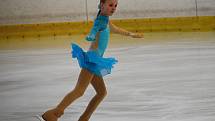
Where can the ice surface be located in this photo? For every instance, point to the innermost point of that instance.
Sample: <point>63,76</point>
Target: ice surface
<point>174,81</point>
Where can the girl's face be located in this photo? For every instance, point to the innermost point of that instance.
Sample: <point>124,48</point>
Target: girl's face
<point>109,7</point>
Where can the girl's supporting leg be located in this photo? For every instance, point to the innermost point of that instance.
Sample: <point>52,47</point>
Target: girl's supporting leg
<point>99,86</point>
<point>83,81</point>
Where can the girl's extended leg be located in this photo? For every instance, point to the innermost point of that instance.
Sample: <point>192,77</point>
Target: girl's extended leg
<point>83,81</point>
<point>99,86</point>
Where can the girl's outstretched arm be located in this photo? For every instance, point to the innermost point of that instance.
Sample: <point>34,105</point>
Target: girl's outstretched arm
<point>121,31</point>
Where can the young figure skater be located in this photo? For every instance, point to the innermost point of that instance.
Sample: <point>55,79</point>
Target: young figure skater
<point>93,65</point>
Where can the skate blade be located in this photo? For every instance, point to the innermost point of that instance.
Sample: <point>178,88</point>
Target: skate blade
<point>39,117</point>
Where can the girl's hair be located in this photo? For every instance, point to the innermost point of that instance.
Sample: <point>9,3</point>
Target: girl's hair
<point>102,1</point>
<point>99,6</point>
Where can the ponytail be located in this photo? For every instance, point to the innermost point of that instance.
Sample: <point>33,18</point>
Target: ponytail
<point>99,7</point>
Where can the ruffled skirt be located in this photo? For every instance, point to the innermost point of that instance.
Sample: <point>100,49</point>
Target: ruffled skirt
<point>92,61</point>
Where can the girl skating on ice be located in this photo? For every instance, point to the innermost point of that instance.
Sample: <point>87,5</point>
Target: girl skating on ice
<point>94,65</point>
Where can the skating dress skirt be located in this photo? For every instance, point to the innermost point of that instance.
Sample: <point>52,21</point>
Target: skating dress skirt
<point>93,60</point>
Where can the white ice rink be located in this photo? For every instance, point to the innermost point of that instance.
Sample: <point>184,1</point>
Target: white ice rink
<point>170,81</point>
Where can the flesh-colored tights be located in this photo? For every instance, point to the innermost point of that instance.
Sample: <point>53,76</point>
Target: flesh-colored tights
<point>85,78</point>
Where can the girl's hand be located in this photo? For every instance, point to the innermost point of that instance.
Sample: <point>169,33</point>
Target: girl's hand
<point>136,35</point>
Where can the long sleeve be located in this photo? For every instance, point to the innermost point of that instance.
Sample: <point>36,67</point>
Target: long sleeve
<point>118,30</point>
<point>100,24</point>
<point>121,31</point>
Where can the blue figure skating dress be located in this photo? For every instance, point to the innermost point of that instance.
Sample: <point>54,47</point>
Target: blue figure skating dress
<point>93,60</point>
